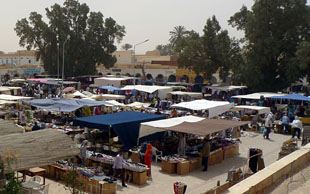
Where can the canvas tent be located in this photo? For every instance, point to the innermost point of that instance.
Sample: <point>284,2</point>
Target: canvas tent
<point>63,104</point>
<point>190,125</point>
<point>111,97</point>
<point>75,95</point>
<point>110,88</point>
<point>260,109</point>
<point>215,108</point>
<point>152,127</point>
<point>138,105</point>
<point>125,124</point>
<point>190,94</point>
<point>225,88</point>
<point>38,148</point>
<point>162,90</point>
<point>292,97</point>
<point>256,96</point>
<point>115,103</point>
<point>7,127</point>
<point>10,97</point>
<point>113,81</point>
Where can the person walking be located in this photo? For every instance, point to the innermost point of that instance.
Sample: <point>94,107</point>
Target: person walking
<point>296,127</point>
<point>268,125</point>
<point>285,124</point>
<point>205,153</point>
<point>83,152</point>
<point>118,167</point>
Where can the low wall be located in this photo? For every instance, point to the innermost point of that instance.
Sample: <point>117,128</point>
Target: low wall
<point>274,173</point>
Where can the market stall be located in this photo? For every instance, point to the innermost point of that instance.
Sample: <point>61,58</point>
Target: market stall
<point>214,108</point>
<point>112,81</point>
<point>259,109</point>
<point>194,95</point>
<point>125,125</point>
<point>161,90</point>
<point>195,128</point>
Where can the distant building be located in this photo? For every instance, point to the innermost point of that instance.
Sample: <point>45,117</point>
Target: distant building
<point>20,58</point>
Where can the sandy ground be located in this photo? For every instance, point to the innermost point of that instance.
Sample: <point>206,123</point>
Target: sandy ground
<point>199,181</point>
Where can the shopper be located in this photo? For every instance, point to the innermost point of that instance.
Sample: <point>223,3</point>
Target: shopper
<point>296,127</point>
<point>83,152</point>
<point>118,167</point>
<point>36,127</point>
<point>205,153</point>
<point>268,125</point>
<point>148,158</point>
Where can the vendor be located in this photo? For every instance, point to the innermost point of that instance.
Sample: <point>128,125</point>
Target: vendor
<point>148,159</point>
<point>205,153</point>
<point>83,152</point>
<point>118,167</point>
<point>142,152</point>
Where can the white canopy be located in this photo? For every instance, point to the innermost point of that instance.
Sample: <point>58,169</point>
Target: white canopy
<point>115,103</point>
<point>214,107</point>
<point>162,90</point>
<point>191,94</point>
<point>75,94</point>
<point>256,96</point>
<point>152,127</point>
<point>138,105</point>
<point>10,97</point>
<point>112,81</point>
<point>260,109</point>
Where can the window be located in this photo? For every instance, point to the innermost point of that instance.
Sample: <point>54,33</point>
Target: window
<point>29,61</point>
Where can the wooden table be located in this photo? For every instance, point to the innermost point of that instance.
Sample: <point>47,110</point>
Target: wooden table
<point>34,172</point>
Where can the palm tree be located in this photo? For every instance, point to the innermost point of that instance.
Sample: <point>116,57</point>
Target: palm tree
<point>177,34</point>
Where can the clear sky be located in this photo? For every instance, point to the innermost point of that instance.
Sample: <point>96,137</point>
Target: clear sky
<point>143,19</point>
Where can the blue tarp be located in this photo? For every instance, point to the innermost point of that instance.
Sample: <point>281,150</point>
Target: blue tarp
<point>63,104</point>
<point>292,97</point>
<point>110,88</point>
<point>125,124</point>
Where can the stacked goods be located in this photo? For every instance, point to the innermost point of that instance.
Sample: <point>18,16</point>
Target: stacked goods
<point>288,147</point>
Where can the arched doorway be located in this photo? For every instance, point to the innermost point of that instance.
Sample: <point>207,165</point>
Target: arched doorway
<point>172,78</point>
<point>198,79</point>
<point>185,79</point>
<point>128,74</point>
<point>108,73</point>
<point>160,78</point>
<point>149,76</point>
<point>138,75</point>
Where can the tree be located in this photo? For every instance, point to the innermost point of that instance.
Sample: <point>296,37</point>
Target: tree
<point>91,40</point>
<point>165,50</point>
<point>1,52</point>
<point>273,30</point>
<point>178,33</point>
<point>212,51</point>
<point>126,47</point>
<point>303,58</point>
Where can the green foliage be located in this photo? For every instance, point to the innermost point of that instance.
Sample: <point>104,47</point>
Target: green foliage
<point>212,51</point>
<point>273,31</point>
<point>165,50</point>
<point>91,40</point>
<point>303,58</point>
<point>73,184</point>
<point>178,33</point>
<point>126,47</point>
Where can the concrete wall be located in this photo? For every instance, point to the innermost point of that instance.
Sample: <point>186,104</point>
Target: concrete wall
<point>274,173</point>
<point>19,58</point>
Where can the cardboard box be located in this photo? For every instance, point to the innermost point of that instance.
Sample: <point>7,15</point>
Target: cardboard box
<point>107,188</point>
<point>216,157</point>
<point>183,167</point>
<point>135,157</point>
<point>139,178</point>
<point>195,164</point>
<point>168,167</point>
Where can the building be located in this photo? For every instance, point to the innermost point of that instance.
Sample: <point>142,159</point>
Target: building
<point>20,58</point>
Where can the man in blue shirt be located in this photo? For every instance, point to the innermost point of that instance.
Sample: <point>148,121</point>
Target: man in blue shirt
<point>285,124</point>
<point>36,127</point>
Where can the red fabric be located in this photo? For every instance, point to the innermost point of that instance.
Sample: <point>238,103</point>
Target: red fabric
<point>148,157</point>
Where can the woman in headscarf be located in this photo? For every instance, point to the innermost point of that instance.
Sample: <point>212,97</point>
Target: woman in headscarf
<point>83,152</point>
<point>148,158</point>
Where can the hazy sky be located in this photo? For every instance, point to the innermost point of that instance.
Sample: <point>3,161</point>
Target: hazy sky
<point>143,19</point>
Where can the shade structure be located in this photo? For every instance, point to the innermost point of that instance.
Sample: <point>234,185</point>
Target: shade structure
<point>125,124</point>
<point>110,97</point>
<point>138,105</point>
<point>256,96</point>
<point>76,94</point>
<point>149,128</point>
<point>7,127</point>
<point>10,97</point>
<point>260,109</point>
<point>162,90</point>
<point>215,108</point>
<point>63,104</point>
<point>191,94</point>
<point>206,126</point>
<point>69,89</point>
<point>292,97</point>
<point>115,103</point>
<point>114,81</point>
<point>225,88</point>
<point>34,149</point>
<point>110,88</point>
